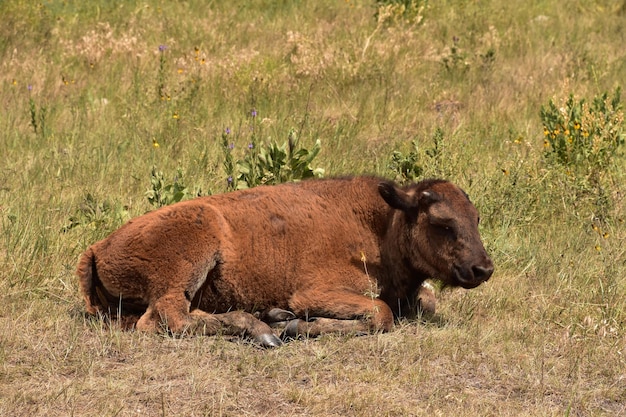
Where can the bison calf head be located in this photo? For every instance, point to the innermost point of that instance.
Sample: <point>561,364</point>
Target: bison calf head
<point>437,231</point>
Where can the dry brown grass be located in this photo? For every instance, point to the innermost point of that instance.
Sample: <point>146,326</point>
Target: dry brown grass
<point>468,360</point>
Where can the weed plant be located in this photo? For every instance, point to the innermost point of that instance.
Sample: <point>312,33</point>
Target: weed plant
<point>268,163</point>
<point>585,138</point>
<point>161,193</point>
<point>112,109</point>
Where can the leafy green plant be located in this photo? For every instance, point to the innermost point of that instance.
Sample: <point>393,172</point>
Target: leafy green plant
<point>406,167</point>
<point>269,163</point>
<point>162,193</point>
<point>409,10</point>
<point>33,114</point>
<point>584,137</point>
<point>97,215</point>
<point>488,59</point>
<point>411,166</point>
<point>38,117</point>
<point>455,61</point>
<point>435,153</point>
<point>107,214</point>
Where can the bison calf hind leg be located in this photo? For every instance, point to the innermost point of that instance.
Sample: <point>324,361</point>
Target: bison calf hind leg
<point>173,313</point>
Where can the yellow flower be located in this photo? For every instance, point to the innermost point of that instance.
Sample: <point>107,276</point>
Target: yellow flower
<point>576,125</point>
<point>505,171</point>
<point>598,248</point>
<point>546,144</point>
<point>175,115</point>
<point>546,132</point>
<point>180,70</point>
<point>155,144</point>
<point>585,133</point>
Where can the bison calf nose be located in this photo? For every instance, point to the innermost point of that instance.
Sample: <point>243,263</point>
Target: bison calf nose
<point>481,273</point>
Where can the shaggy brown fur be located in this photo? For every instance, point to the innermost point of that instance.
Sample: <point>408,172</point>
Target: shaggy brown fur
<point>335,255</point>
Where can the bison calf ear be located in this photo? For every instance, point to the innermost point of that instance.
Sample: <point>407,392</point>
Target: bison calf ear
<point>395,197</point>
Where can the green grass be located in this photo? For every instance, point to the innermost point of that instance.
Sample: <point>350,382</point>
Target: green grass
<point>545,336</point>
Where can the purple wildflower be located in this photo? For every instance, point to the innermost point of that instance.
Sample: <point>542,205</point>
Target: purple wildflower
<point>254,113</point>
<point>162,48</point>
<point>227,131</point>
<point>231,145</point>
<point>229,179</point>
<point>250,145</point>
<point>30,87</point>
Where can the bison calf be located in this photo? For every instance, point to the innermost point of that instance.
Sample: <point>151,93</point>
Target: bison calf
<point>333,255</point>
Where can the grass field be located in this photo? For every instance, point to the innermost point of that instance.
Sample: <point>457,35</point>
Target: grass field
<point>95,95</point>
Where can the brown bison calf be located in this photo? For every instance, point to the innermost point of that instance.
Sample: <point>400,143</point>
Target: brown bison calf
<point>335,255</point>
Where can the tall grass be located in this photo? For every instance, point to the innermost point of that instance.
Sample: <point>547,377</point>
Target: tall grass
<point>94,96</point>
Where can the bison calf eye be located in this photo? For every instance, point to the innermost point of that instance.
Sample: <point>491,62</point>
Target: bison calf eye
<point>445,229</point>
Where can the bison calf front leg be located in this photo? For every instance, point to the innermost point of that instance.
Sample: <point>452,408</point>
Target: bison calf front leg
<point>320,325</point>
<point>235,323</point>
<point>336,311</point>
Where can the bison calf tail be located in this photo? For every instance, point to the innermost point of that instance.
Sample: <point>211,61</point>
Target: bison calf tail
<point>88,282</point>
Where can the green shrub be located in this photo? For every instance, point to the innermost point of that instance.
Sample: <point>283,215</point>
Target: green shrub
<point>162,193</point>
<point>412,166</point>
<point>406,168</point>
<point>269,163</point>
<point>409,10</point>
<point>97,215</point>
<point>584,138</point>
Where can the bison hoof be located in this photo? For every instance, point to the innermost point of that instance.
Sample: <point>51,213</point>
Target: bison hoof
<point>290,332</point>
<point>268,340</point>
<point>428,307</point>
<point>277,315</point>
<point>427,300</point>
